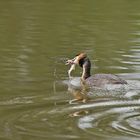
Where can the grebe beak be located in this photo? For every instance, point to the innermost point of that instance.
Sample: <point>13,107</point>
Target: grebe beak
<point>70,61</point>
<point>76,59</point>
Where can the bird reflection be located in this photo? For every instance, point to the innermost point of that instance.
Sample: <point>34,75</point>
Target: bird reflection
<point>79,94</point>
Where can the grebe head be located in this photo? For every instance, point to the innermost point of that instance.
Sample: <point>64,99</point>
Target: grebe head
<point>83,61</point>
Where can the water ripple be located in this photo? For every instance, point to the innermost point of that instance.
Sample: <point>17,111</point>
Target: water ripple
<point>122,119</point>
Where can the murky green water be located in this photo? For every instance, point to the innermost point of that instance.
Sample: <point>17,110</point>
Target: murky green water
<point>36,36</point>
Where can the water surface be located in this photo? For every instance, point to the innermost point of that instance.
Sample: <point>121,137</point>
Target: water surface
<point>36,37</point>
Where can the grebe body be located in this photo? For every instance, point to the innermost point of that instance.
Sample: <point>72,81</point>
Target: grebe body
<point>100,80</point>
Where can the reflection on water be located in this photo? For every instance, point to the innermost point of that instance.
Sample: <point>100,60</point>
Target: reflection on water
<point>113,111</point>
<point>36,37</point>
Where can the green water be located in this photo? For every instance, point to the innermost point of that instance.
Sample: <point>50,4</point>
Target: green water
<point>36,37</point>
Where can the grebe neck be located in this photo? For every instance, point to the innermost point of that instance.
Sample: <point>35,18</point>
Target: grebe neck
<point>86,69</point>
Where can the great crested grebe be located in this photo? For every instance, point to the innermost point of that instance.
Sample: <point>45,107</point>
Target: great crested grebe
<point>97,80</point>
